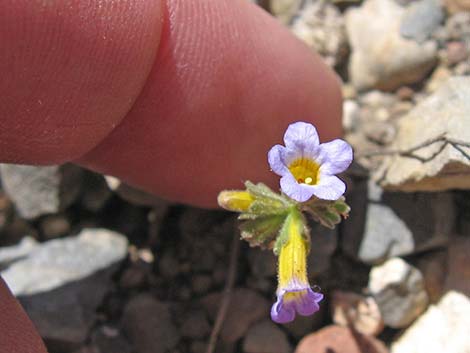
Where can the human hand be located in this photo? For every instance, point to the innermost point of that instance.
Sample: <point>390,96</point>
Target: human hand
<point>181,98</point>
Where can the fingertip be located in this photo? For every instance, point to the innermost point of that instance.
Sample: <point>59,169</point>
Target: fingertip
<point>226,82</point>
<point>70,71</point>
<point>17,333</point>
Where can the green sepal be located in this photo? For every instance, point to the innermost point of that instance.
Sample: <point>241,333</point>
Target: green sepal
<point>262,230</point>
<point>266,201</point>
<point>342,207</point>
<point>283,236</point>
<point>293,216</point>
<point>327,213</point>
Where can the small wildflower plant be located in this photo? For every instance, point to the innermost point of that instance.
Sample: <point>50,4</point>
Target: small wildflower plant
<point>275,221</point>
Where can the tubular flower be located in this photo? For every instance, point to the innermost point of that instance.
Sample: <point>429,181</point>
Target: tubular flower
<point>307,168</point>
<point>294,294</point>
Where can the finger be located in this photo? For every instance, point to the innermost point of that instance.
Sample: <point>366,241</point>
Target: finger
<point>226,82</point>
<point>70,71</point>
<point>17,333</point>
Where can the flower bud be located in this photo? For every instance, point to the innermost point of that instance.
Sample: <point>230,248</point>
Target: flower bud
<point>235,200</point>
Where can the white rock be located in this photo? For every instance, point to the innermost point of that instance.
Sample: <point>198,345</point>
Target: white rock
<point>445,113</point>
<point>33,190</point>
<point>389,224</point>
<point>360,311</point>
<point>57,262</point>
<point>285,9</point>
<point>321,26</point>
<point>442,328</point>
<point>381,57</point>
<point>351,115</point>
<point>14,252</point>
<point>36,191</point>
<point>398,289</point>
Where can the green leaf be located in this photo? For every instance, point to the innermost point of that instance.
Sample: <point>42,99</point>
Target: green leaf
<point>327,213</point>
<point>263,230</point>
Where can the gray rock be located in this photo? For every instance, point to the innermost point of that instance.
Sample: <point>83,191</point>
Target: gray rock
<point>198,347</point>
<point>195,325</point>
<point>384,225</point>
<point>398,289</point>
<point>36,191</point>
<point>263,263</point>
<point>381,57</point>
<point>246,307</point>
<point>444,114</point>
<point>149,325</point>
<point>65,315</point>
<point>421,19</point>
<point>108,339</point>
<point>321,26</point>
<point>324,242</point>
<point>168,265</point>
<point>442,328</point>
<point>57,262</point>
<point>266,337</point>
<point>201,284</point>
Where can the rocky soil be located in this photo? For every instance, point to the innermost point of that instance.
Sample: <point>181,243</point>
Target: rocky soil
<point>103,268</point>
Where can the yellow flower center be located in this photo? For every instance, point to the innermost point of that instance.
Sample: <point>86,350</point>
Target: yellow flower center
<point>294,296</point>
<point>305,171</point>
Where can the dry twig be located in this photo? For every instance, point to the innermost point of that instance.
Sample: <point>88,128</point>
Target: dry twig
<point>411,152</point>
<point>227,294</point>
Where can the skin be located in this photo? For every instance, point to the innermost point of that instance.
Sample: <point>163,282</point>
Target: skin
<point>180,98</point>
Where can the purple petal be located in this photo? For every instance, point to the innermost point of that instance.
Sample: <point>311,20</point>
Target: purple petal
<point>284,311</point>
<point>308,303</point>
<point>301,135</point>
<point>296,191</point>
<point>276,156</point>
<point>330,187</point>
<point>335,156</point>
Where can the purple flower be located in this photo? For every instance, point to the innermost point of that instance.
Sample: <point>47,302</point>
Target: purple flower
<point>294,294</point>
<point>295,299</point>
<point>307,167</point>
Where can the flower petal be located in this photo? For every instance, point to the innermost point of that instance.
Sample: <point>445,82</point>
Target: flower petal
<point>335,156</point>
<point>308,303</point>
<point>304,304</point>
<point>330,187</point>
<point>276,156</point>
<point>296,191</point>
<point>282,313</point>
<point>301,134</point>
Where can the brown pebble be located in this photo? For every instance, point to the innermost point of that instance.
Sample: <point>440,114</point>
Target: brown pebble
<point>340,340</point>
